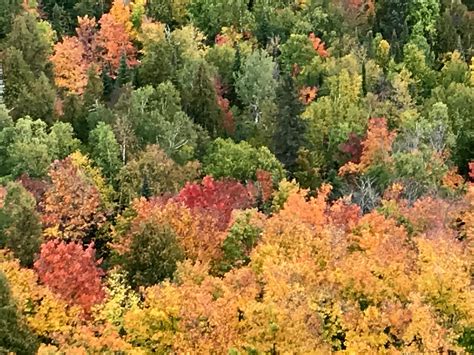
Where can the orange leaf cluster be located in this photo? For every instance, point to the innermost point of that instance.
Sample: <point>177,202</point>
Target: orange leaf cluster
<point>318,45</point>
<point>376,147</point>
<point>115,42</point>
<point>72,206</point>
<point>308,94</point>
<point>196,232</point>
<point>70,66</point>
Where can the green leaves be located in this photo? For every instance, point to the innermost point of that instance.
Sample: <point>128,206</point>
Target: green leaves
<point>240,161</point>
<point>30,149</point>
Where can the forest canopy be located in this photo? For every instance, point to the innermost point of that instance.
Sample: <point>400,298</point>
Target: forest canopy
<point>240,177</point>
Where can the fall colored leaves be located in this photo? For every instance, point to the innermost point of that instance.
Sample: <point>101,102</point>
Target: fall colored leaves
<point>94,48</point>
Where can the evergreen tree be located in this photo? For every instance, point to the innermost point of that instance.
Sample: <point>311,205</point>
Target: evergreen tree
<point>200,97</point>
<point>94,89</point>
<point>290,128</point>
<point>8,10</point>
<point>34,41</point>
<point>124,72</point>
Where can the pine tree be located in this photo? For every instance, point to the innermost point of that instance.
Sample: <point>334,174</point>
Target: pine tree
<point>290,128</point>
<point>124,73</point>
<point>200,97</point>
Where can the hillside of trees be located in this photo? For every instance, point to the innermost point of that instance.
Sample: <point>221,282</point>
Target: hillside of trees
<point>236,177</point>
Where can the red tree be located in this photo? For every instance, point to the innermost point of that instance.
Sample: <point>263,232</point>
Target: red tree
<point>217,198</point>
<point>72,272</point>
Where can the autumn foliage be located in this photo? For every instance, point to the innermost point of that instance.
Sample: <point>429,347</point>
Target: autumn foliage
<point>72,272</point>
<point>72,206</point>
<point>70,66</point>
<point>236,177</point>
<point>217,198</point>
<point>376,147</point>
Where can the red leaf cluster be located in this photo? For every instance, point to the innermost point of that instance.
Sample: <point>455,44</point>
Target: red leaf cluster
<point>217,198</point>
<point>352,147</point>
<point>72,272</point>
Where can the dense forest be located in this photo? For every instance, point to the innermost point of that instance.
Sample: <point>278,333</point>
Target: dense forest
<point>236,176</point>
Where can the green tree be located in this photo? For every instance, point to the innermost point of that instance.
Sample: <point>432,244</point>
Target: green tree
<point>94,90</point>
<point>30,149</point>
<point>211,15</point>
<point>156,117</point>
<point>296,52</point>
<point>158,63</point>
<point>15,337</point>
<point>27,148</point>
<point>154,172</point>
<point>20,225</point>
<point>124,74</point>
<point>459,99</point>
<point>199,97</point>
<point>255,83</point>
<point>290,128</point>
<point>454,29</point>
<point>242,237</point>
<point>391,21</point>
<point>8,10</point>
<point>104,150</point>
<point>62,140</point>
<point>172,12</point>
<point>154,252</point>
<point>240,161</point>
<point>33,39</point>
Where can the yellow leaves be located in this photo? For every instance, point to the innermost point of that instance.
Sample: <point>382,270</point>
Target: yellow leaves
<point>151,32</point>
<point>444,279</point>
<point>424,334</point>
<point>471,67</point>
<point>106,191</point>
<point>44,312</point>
<point>121,13</point>
<point>191,41</point>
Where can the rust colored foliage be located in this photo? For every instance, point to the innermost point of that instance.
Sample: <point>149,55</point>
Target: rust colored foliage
<point>308,94</point>
<point>86,33</point>
<point>72,206</point>
<point>72,272</point>
<point>318,45</point>
<point>228,122</point>
<point>265,184</point>
<point>70,66</point>
<point>195,231</point>
<point>376,147</point>
<point>217,198</point>
<point>353,148</point>
<point>115,41</point>
<point>221,40</point>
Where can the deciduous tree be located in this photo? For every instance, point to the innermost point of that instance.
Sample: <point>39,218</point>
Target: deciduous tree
<point>72,272</point>
<point>72,207</point>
